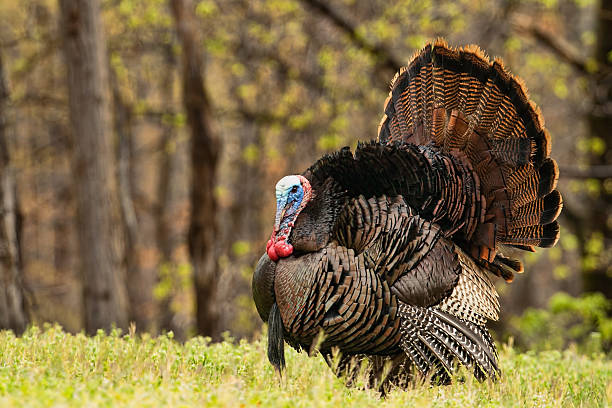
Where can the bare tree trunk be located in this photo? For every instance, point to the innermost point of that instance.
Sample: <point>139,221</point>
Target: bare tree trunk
<point>139,266</point>
<point>95,184</point>
<point>165,230</point>
<point>13,313</point>
<point>205,147</point>
<point>597,275</point>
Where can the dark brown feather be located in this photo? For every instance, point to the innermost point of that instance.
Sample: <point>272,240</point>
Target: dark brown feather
<point>394,254</point>
<point>458,100</point>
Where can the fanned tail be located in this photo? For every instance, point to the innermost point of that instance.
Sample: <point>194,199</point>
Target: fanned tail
<point>459,101</point>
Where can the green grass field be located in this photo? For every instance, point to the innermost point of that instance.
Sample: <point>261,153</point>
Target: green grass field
<point>51,368</point>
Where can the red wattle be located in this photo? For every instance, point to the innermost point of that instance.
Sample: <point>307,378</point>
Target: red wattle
<point>272,253</point>
<point>278,249</point>
<point>283,249</point>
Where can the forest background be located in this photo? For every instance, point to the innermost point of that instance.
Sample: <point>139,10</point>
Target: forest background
<point>140,142</point>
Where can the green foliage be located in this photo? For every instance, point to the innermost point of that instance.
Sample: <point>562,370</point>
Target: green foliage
<point>175,283</point>
<point>52,368</point>
<point>206,8</point>
<point>241,248</point>
<point>595,254</point>
<point>582,321</point>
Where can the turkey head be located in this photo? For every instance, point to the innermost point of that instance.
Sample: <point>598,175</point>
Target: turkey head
<point>305,215</point>
<point>292,194</point>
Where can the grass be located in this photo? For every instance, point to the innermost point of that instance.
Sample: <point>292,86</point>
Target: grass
<point>52,368</point>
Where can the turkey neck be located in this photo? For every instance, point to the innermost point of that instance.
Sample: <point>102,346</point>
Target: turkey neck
<point>314,226</point>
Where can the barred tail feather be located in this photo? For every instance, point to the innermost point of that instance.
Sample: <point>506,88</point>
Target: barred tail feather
<point>461,102</point>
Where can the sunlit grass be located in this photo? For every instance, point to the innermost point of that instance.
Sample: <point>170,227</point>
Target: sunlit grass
<point>51,368</point>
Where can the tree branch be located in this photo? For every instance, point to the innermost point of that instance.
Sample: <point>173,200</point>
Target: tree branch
<point>590,172</point>
<point>385,56</point>
<point>559,46</point>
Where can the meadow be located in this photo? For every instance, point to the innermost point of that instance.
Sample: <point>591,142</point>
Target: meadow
<point>49,367</point>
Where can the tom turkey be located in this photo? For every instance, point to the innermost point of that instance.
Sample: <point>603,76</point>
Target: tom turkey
<point>390,250</point>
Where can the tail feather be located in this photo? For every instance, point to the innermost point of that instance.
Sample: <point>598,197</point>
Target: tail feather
<point>535,183</point>
<point>514,151</point>
<point>548,175</point>
<point>459,101</point>
<point>506,267</point>
<point>544,236</point>
<point>541,211</point>
<point>514,264</point>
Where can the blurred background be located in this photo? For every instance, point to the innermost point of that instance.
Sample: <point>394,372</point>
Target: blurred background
<point>140,142</point>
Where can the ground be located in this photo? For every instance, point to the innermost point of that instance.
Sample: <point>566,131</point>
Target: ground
<point>48,367</point>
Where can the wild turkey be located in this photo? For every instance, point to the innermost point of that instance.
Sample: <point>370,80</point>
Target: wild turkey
<point>390,250</point>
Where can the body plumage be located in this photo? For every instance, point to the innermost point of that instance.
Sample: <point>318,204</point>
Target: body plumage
<point>390,250</point>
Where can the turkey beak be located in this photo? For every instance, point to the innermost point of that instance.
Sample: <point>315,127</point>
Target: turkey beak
<point>280,215</point>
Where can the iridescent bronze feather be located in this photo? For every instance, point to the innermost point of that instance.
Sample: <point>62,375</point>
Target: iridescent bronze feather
<point>392,257</point>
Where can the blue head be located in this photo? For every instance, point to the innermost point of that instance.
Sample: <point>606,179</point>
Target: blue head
<point>289,196</point>
<point>292,195</point>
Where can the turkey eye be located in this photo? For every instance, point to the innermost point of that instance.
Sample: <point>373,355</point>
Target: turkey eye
<point>294,189</point>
